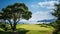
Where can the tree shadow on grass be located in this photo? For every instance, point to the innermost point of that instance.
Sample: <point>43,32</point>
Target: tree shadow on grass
<point>3,32</point>
<point>22,31</point>
<point>19,31</point>
<point>57,31</point>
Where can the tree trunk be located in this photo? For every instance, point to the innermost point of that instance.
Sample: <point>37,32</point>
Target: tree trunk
<point>14,24</point>
<point>14,27</point>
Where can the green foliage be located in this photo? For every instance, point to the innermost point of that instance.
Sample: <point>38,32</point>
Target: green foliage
<point>57,11</point>
<point>15,12</point>
<point>57,14</point>
<point>53,24</point>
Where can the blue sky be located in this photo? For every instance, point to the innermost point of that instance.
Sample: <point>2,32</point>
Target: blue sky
<point>40,9</point>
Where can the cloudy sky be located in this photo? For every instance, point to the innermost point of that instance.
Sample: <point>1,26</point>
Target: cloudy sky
<point>40,9</point>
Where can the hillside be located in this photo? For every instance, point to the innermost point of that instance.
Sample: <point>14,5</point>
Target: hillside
<point>49,20</point>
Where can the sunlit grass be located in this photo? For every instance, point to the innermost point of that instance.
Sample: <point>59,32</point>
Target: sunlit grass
<point>1,29</point>
<point>34,27</point>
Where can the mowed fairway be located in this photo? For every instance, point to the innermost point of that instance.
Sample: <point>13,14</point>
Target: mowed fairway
<point>36,29</point>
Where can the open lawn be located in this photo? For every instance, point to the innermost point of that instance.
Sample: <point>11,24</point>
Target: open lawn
<point>32,29</point>
<point>36,29</point>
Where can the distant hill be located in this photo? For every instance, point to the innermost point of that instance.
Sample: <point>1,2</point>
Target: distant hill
<point>50,20</point>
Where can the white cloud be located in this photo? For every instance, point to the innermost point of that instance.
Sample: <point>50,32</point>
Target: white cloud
<point>40,15</point>
<point>35,6</point>
<point>48,4</point>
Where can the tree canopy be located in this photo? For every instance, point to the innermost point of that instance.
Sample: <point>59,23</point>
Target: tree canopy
<point>16,12</point>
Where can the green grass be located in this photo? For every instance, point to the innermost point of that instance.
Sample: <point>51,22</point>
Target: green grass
<point>37,32</point>
<point>36,29</point>
<point>31,29</point>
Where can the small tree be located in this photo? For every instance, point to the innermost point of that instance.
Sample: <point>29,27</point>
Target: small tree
<point>57,14</point>
<point>16,12</point>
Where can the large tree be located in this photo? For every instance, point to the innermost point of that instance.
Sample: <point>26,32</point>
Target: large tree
<point>57,14</point>
<point>16,12</point>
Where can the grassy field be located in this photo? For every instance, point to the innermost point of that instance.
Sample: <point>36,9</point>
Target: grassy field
<point>32,29</point>
<point>36,29</point>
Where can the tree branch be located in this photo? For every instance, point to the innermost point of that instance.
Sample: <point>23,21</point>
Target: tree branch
<point>17,21</point>
<point>10,22</point>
